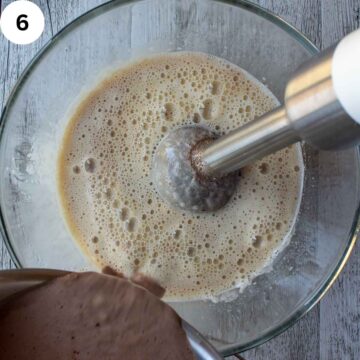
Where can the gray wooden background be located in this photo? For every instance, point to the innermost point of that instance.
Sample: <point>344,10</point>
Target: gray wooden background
<point>331,330</point>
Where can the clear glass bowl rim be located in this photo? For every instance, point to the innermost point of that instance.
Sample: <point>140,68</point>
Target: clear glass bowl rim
<point>296,35</point>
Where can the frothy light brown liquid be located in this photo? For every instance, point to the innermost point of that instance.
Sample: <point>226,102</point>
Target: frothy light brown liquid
<point>110,203</point>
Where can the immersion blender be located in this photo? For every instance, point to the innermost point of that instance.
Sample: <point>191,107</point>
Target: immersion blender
<point>321,107</point>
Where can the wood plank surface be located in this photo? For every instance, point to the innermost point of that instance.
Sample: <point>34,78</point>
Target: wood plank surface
<point>331,330</point>
<point>340,309</point>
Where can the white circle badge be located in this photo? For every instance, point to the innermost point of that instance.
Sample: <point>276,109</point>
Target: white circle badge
<point>22,22</point>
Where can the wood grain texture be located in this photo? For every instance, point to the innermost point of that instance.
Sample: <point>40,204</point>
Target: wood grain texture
<point>302,340</point>
<point>338,19</point>
<point>13,60</point>
<point>331,330</point>
<point>340,309</point>
<point>305,15</point>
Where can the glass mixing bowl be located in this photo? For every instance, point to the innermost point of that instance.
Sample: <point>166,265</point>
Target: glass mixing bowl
<point>114,33</point>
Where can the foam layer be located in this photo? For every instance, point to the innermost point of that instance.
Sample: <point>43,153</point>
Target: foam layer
<point>111,205</point>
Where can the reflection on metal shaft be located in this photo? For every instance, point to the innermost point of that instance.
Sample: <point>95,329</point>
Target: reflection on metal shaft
<point>249,143</point>
<point>311,113</point>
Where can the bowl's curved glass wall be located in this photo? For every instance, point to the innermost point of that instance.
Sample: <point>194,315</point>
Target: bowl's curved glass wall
<point>115,33</point>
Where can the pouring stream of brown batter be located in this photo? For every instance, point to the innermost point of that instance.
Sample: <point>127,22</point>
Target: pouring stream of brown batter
<point>92,316</point>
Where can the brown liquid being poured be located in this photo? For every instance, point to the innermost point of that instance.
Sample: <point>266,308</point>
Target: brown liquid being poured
<point>111,205</point>
<point>91,316</point>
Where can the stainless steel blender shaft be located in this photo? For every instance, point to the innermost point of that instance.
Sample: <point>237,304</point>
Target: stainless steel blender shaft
<point>249,143</point>
<point>311,112</point>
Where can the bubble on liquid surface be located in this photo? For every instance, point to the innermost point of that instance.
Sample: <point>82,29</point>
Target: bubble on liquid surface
<point>90,165</point>
<point>112,207</point>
